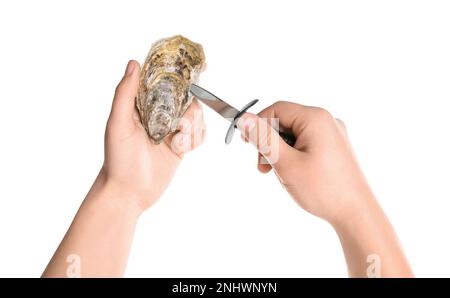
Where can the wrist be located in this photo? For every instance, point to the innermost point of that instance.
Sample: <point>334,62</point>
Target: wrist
<point>363,218</point>
<point>368,239</point>
<point>360,210</point>
<point>109,196</point>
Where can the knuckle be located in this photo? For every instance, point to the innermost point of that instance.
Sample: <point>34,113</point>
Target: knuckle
<point>322,114</point>
<point>341,123</point>
<point>279,103</point>
<point>119,89</point>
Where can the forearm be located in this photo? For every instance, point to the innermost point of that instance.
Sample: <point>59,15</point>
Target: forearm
<point>370,245</point>
<point>99,237</point>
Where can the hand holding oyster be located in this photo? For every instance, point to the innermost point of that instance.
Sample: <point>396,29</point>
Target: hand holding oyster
<point>170,68</point>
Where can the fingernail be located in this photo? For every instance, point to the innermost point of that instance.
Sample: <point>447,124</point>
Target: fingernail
<point>130,68</point>
<point>246,123</point>
<point>262,160</point>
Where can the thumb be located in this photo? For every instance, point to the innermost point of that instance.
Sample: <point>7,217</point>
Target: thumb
<point>123,105</point>
<point>260,132</point>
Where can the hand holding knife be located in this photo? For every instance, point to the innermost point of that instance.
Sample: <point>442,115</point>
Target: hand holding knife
<point>229,112</point>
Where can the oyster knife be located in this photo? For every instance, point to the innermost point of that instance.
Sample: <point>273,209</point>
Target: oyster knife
<point>229,112</point>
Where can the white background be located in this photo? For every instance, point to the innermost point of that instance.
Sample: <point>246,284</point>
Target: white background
<point>381,66</point>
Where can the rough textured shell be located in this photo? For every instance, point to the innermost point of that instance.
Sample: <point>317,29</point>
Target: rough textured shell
<point>171,66</point>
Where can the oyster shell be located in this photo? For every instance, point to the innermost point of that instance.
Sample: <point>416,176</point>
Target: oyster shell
<point>170,68</point>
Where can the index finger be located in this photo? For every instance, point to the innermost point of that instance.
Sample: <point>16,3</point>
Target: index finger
<point>292,116</point>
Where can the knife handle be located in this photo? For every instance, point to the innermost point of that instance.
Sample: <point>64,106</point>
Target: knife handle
<point>287,137</point>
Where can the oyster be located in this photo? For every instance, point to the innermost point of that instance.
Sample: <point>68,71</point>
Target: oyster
<point>170,68</point>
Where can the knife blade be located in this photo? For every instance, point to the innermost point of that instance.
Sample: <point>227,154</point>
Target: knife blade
<point>229,112</point>
<point>224,109</point>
